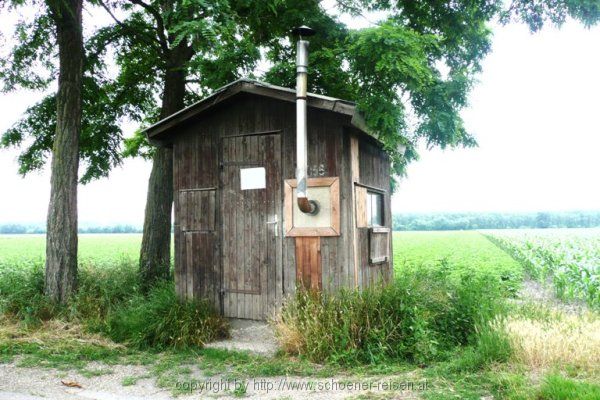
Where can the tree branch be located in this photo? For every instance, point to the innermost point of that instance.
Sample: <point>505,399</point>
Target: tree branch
<point>126,27</point>
<point>160,25</point>
<point>101,48</point>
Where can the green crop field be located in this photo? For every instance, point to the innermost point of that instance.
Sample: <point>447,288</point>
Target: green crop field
<point>569,259</point>
<point>541,252</point>
<point>461,252</point>
<point>566,259</point>
<point>443,304</point>
<point>93,248</point>
<point>464,250</point>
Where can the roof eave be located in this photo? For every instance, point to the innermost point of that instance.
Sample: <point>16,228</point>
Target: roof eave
<point>155,131</point>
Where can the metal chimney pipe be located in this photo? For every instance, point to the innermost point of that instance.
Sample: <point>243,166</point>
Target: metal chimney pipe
<point>304,204</point>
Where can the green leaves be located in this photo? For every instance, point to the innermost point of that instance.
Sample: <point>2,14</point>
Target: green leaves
<point>399,77</point>
<point>138,146</point>
<point>410,74</point>
<point>391,55</point>
<point>38,125</point>
<point>201,23</point>
<point>100,136</point>
<point>536,13</point>
<point>30,64</point>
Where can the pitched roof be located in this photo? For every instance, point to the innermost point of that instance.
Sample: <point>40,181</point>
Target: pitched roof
<point>245,85</point>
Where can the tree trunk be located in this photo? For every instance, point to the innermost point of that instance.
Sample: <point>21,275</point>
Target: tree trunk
<point>155,254</point>
<point>61,235</point>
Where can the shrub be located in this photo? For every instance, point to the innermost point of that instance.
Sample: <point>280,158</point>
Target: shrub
<point>109,301</point>
<point>160,321</point>
<point>417,317</point>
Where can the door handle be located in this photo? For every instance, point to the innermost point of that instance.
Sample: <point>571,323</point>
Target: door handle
<point>275,222</point>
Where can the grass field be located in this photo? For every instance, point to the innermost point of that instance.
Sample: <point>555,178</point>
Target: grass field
<point>464,250</point>
<point>529,352</point>
<point>93,248</point>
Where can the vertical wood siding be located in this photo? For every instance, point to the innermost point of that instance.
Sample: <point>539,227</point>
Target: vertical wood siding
<point>309,262</point>
<point>197,272</point>
<point>249,246</point>
<point>200,226</point>
<point>375,172</point>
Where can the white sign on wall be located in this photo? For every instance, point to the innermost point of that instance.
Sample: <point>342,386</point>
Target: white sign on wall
<point>252,178</point>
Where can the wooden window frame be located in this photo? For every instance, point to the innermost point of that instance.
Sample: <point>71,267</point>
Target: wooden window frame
<point>334,230</point>
<point>363,220</point>
<point>381,200</point>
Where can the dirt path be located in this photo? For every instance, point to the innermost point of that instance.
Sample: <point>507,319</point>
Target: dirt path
<point>137,382</point>
<point>41,383</point>
<point>537,293</point>
<point>255,337</point>
<point>18,383</point>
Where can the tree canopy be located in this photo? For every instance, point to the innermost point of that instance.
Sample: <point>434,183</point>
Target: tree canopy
<point>538,13</point>
<point>32,64</point>
<point>410,73</point>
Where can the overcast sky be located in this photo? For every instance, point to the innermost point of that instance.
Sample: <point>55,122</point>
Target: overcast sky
<point>535,113</point>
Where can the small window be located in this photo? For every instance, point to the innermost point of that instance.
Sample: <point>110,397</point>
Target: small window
<point>252,178</point>
<point>375,208</point>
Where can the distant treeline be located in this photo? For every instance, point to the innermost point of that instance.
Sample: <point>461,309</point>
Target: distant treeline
<point>410,222</point>
<point>23,229</point>
<point>465,221</point>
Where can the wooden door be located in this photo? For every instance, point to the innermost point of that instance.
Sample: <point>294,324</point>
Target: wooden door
<point>251,225</point>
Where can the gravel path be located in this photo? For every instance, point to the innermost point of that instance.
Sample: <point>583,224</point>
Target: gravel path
<point>18,383</point>
<point>42,383</point>
<point>246,335</point>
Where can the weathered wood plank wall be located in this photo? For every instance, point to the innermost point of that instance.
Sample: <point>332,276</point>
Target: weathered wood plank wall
<point>201,226</point>
<point>327,156</point>
<point>197,274</point>
<point>374,168</point>
<point>309,262</point>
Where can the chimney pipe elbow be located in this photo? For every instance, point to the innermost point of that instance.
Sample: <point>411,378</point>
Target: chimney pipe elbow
<point>308,206</point>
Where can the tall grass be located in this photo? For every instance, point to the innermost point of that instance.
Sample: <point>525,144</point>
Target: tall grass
<point>160,320</point>
<point>99,290</point>
<point>556,387</point>
<point>419,317</point>
<point>109,301</point>
<point>490,345</point>
<point>557,340</point>
<point>21,294</point>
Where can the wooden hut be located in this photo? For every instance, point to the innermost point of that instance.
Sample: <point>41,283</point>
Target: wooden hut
<point>240,238</point>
